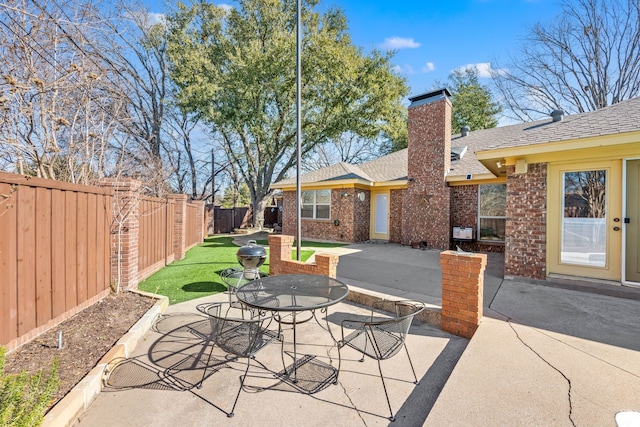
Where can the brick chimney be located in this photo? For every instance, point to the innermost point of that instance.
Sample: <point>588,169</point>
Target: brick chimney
<point>426,213</point>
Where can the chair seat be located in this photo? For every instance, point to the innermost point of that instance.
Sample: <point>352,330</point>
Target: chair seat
<point>387,344</point>
<point>242,338</point>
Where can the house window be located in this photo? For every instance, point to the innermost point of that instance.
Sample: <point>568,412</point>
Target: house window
<point>316,204</point>
<point>492,202</point>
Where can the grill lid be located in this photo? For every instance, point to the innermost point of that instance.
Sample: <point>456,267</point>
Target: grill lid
<point>251,255</point>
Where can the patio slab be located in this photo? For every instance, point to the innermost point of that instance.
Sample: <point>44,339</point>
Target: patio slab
<point>155,386</point>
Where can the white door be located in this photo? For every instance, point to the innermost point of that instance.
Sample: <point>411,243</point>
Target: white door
<point>584,226</point>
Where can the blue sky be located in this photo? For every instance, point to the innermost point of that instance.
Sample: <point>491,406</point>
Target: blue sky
<point>434,37</point>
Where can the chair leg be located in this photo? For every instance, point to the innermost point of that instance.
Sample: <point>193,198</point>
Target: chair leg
<point>415,378</point>
<point>384,386</point>
<point>204,374</point>
<point>246,371</point>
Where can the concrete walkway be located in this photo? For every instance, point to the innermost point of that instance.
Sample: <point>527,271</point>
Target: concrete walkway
<point>563,354</point>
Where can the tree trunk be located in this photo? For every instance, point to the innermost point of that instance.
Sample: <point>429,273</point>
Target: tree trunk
<point>258,211</point>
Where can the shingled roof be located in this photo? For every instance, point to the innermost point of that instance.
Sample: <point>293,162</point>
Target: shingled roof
<point>616,119</point>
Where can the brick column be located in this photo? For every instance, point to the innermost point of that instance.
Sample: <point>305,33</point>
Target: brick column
<point>327,264</point>
<point>201,221</point>
<point>279,249</point>
<point>179,225</point>
<point>462,290</point>
<point>125,230</point>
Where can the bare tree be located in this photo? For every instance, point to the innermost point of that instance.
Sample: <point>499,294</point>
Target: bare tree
<point>57,112</point>
<point>348,148</point>
<point>188,145</point>
<point>588,58</point>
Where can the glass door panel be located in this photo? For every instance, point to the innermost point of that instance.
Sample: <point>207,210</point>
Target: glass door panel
<point>584,219</point>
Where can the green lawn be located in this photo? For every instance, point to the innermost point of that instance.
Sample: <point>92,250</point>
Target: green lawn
<point>197,275</point>
<point>307,244</point>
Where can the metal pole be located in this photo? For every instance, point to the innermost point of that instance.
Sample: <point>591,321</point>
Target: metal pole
<point>213,192</point>
<point>298,128</point>
<point>213,178</point>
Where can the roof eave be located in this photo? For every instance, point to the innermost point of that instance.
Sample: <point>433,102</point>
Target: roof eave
<point>471,178</point>
<point>490,157</point>
<point>339,183</point>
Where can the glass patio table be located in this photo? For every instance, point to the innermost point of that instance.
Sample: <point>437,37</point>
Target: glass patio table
<point>294,293</point>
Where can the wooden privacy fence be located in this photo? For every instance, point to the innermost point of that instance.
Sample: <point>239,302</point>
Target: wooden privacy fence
<point>155,247</point>
<point>54,253</point>
<point>225,220</point>
<point>63,246</point>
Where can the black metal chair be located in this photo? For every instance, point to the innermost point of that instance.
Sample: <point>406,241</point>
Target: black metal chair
<point>382,338</point>
<point>236,277</point>
<point>240,336</point>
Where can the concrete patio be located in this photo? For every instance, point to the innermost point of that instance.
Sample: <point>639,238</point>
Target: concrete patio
<point>548,354</point>
<point>157,385</point>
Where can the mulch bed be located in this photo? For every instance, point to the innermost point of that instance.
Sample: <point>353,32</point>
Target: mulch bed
<point>86,337</point>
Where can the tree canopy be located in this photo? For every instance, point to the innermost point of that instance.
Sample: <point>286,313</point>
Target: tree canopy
<point>236,69</point>
<point>472,103</point>
<point>586,59</point>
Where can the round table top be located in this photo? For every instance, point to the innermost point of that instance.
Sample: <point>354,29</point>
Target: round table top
<point>293,292</point>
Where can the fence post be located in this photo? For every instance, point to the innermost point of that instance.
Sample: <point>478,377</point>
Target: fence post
<point>179,225</point>
<point>124,230</point>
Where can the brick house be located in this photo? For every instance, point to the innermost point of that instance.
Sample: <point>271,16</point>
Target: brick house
<point>559,196</point>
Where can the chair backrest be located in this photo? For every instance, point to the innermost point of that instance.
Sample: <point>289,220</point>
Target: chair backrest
<point>388,335</point>
<point>236,335</point>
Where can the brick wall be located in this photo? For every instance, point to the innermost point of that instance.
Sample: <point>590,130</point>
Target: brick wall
<point>395,216</point>
<point>280,261</point>
<point>464,213</point>
<point>347,210</point>
<point>464,206</point>
<point>426,215</point>
<point>362,215</point>
<point>462,292</point>
<point>526,240</point>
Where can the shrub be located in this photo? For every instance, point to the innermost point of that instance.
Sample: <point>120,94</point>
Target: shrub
<point>25,397</point>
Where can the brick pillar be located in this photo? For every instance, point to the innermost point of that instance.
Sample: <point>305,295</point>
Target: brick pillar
<point>279,250</point>
<point>201,221</point>
<point>327,264</point>
<point>462,290</point>
<point>179,225</point>
<point>125,230</point>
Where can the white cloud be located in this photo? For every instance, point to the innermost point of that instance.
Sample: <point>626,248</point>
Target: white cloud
<point>405,69</point>
<point>156,18</point>
<point>484,69</point>
<point>428,67</point>
<point>225,6</point>
<point>147,19</point>
<point>394,43</point>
